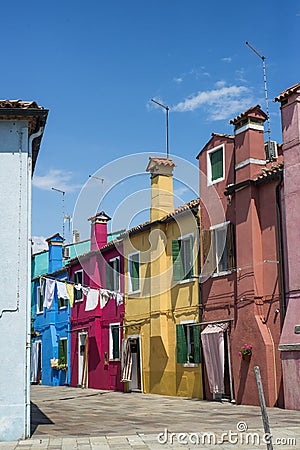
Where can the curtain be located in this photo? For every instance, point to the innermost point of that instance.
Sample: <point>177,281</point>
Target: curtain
<point>212,338</point>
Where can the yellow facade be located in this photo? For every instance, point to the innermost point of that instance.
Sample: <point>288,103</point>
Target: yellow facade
<point>160,303</point>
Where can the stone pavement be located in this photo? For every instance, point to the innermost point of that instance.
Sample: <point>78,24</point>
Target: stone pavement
<point>65,418</point>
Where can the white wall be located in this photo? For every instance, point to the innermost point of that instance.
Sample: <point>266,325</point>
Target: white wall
<point>14,279</point>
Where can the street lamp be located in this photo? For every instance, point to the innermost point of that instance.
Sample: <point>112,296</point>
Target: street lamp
<point>167,123</point>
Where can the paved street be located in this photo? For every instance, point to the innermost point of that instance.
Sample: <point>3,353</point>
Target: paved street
<point>66,418</point>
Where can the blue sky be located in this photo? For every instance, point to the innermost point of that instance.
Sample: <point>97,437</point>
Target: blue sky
<point>95,65</point>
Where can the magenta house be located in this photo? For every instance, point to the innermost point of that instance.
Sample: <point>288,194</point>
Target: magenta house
<point>98,311</point>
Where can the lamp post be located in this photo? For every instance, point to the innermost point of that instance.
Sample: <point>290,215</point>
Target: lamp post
<point>167,123</point>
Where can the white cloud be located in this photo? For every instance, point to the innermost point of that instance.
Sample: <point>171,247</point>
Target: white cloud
<point>220,103</point>
<point>178,80</point>
<point>240,75</point>
<point>180,191</point>
<point>228,59</point>
<point>58,178</point>
<point>220,83</point>
<point>39,244</point>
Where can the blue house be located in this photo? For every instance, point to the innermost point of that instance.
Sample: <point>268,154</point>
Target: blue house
<point>51,325</point>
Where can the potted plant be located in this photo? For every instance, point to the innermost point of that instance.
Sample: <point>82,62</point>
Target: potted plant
<point>246,352</point>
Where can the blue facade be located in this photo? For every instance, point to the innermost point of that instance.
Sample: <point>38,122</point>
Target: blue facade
<point>53,324</point>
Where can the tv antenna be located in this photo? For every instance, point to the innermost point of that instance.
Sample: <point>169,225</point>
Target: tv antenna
<point>102,193</point>
<point>167,123</point>
<point>63,208</point>
<point>266,90</point>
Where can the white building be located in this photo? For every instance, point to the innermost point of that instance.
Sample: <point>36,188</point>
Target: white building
<point>21,130</point>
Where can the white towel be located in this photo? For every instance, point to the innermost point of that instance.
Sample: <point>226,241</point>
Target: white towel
<point>62,290</point>
<point>49,293</point>
<point>92,299</point>
<point>119,298</point>
<point>104,297</point>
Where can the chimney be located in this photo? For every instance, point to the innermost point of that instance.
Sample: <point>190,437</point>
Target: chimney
<point>99,230</point>
<point>76,236</point>
<point>55,244</point>
<point>162,196</point>
<point>250,156</point>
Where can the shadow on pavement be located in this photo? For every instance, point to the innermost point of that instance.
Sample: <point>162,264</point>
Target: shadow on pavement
<point>37,418</point>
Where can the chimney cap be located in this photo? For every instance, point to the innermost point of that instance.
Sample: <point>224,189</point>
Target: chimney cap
<point>255,112</point>
<point>100,217</point>
<point>55,238</point>
<point>284,94</point>
<point>160,166</point>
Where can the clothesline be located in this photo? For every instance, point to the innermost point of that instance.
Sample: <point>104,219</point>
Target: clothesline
<point>65,291</point>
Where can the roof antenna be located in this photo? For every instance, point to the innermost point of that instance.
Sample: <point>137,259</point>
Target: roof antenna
<point>167,123</point>
<point>266,91</point>
<point>102,193</point>
<point>63,209</point>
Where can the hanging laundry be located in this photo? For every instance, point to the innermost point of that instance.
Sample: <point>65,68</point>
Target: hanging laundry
<point>119,299</point>
<point>85,290</point>
<point>42,285</point>
<point>70,291</point>
<point>111,295</point>
<point>49,293</point>
<point>104,297</point>
<point>92,299</point>
<point>62,290</point>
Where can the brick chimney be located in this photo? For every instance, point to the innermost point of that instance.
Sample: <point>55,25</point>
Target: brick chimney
<point>162,196</point>
<point>250,155</point>
<point>99,230</point>
<point>55,244</point>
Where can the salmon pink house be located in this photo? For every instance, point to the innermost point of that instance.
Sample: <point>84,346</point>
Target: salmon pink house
<point>98,311</point>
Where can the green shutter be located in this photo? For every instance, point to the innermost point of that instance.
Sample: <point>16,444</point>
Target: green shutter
<point>117,275</point>
<point>216,162</point>
<point>115,341</point>
<point>181,345</point>
<point>177,261</point>
<point>197,357</point>
<point>109,276</point>
<point>191,258</point>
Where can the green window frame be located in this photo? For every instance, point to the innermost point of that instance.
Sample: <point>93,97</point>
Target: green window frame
<point>78,279</point>
<point>113,274</point>
<point>39,300</point>
<point>216,164</point>
<point>134,271</point>
<point>114,350</point>
<point>188,343</point>
<point>63,351</point>
<point>183,258</point>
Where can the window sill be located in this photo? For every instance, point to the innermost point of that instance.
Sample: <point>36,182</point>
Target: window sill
<point>221,274</point>
<point>191,365</point>
<point>188,280</point>
<point>134,293</point>
<point>62,307</point>
<point>114,360</point>
<point>40,313</point>
<point>77,301</point>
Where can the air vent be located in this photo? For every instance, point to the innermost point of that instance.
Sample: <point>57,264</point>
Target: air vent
<point>66,252</point>
<point>271,150</point>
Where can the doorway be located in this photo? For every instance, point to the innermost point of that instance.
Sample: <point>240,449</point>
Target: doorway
<point>136,380</point>
<point>82,360</point>
<point>216,349</point>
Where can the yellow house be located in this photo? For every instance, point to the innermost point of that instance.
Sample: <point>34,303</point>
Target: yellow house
<point>161,349</point>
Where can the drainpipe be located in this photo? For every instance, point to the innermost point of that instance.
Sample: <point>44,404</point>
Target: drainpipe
<point>28,303</point>
<point>200,306</point>
<point>280,248</point>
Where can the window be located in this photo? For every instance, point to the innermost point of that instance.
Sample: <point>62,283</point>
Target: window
<point>188,343</point>
<point>63,352</point>
<point>113,274</point>
<point>183,258</point>
<point>134,272</point>
<point>114,341</point>
<point>39,301</point>
<point>78,279</point>
<point>218,249</point>
<point>215,165</point>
